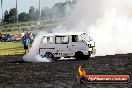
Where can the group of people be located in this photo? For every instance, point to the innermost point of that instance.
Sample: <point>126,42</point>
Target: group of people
<point>26,38</point>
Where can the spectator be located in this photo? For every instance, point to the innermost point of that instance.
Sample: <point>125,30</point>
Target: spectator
<point>26,34</point>
<point>25,42</point>
<point>31,38</point>
<point>0,36</point>
<point>22,34</point>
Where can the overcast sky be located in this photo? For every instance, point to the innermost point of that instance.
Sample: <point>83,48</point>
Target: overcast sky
<point>24,5</point>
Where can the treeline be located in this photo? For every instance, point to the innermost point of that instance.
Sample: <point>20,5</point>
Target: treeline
<point>59,10</point>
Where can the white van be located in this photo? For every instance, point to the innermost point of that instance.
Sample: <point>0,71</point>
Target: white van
<point>79,45</point>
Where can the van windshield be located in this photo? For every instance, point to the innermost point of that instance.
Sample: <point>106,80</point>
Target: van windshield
<point>86,37</point>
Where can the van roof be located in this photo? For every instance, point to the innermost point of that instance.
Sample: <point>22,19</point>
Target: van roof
<point>60,34</point>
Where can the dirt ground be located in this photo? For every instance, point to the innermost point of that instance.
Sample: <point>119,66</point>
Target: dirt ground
<point>14,73</point>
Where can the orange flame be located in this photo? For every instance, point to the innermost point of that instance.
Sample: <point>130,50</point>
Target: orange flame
<point>81,71</point>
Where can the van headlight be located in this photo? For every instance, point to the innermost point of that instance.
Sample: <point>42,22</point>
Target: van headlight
<point>89,45</point>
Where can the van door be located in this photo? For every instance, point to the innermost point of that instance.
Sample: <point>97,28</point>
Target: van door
<point>78,44</point>
<point>47,45</point>
<point>62,45</point>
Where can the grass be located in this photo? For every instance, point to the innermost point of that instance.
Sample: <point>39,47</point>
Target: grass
<point>25,26</point>
<point>11,48</point>
<point>12,33</point>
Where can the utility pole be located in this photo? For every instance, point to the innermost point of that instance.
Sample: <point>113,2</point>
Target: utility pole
<point>39,17</point>
<point>39,11</point>
<point>16,12</point>
<point>2,9</point>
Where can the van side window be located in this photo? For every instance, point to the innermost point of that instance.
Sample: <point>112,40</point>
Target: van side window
<point>50,40</point>
<point>80,39</point>
<point>62,39</point>
<point>44,40</point>
<point>75,38</point>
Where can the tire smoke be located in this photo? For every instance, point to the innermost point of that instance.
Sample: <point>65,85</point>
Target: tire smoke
<point>109,23</point>
<point>33,54</point>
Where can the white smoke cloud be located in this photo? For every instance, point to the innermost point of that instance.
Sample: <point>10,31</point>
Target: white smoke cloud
<point>50,3</point>
<point>81,13</point>
<point>107,21</point>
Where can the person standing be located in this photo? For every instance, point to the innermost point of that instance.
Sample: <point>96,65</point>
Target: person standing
<point>25,42</point>
<point>22,34</point>
<point>0,36</point>
<point>31,37</point>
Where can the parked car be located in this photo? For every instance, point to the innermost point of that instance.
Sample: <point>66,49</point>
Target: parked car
<point>6,38</point>
<point>17,37</point>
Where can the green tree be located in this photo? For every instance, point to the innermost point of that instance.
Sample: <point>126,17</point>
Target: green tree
<point>31,10</point>
<point>63,9</point>
<point>32,13</point>
<point>58,10</point>
<point>36,16</point>
<point>46,13</point>
<point>6,17</point>
<point>23,17</point>
<point>12,15</point>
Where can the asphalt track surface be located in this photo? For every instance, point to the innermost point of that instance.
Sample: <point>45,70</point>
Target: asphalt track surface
<point>14,73</point>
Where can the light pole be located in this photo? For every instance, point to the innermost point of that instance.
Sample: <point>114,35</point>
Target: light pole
<point>2,9</point>
<point>16,12</point>
<point>39,10</point>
